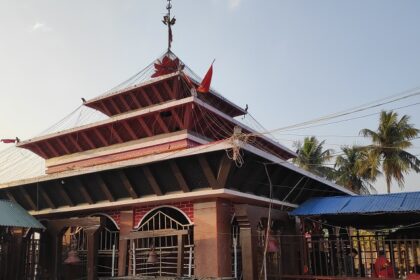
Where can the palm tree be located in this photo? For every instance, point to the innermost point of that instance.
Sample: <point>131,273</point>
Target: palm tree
<point>311,156</point>
<point>356,169</point>
<point>389,144</point>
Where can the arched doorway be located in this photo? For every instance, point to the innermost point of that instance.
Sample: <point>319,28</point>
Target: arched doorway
<point>75,239</point>
<point>168,236</point>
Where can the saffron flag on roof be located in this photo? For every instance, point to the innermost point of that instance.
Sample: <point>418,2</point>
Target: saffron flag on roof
<point>205,83</point>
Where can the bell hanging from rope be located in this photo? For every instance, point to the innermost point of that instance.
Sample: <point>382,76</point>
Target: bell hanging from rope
<point>153,258</point>
<point>72,257</point>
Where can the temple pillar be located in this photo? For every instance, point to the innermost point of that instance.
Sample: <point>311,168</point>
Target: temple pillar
<point>92,234</point>
<point>248,217</point>
<point>212,238</point>
<point>126,225</point>
<point>248,221</point>
<point>15,253</point>
<point>55,244</point>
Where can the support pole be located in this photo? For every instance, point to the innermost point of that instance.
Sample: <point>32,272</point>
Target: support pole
<point>180,263</point>
<point>133,247</point>
<point>113,261</point>
<point>190,262</point>
<point>126,225</point>
<point>235,257</point>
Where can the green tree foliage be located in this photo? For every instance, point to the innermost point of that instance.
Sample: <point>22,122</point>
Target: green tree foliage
<point>312,157</point>
<point>390,143</point>
<point>356,169</point>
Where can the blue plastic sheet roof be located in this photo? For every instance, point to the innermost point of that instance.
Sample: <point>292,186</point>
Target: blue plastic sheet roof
<point>363,204</point>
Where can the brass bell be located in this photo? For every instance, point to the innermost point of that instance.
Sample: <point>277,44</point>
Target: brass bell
<point>72,257</point>
<point>153,258</point>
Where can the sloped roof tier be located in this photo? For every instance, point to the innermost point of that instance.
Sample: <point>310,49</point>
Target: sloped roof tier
<point>184,173</point>
<point>190,113</point>
<point>138,124</point>
<point>13,215</point>
<point>149,93</point>
<point>150,87</point>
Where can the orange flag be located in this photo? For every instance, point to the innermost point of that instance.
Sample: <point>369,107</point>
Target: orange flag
<point>205,83</point>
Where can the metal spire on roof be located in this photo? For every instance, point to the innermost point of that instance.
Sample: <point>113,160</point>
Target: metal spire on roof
<point>168,21</point>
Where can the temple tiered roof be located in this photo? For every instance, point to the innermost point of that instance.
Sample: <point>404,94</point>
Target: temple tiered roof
<point>157,83</point>
<point>159,101</point>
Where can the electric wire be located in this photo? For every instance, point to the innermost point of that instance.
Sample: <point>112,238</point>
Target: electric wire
<point>361,108</point>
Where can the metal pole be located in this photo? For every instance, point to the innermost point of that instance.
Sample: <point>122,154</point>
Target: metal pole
<point>134,259</point>
<point>235,258</point>
<point>113,260</point>
<point>190,262</point>
<point>265,267</point>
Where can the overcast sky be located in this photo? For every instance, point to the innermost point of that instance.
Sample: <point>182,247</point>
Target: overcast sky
<point>291,61</point>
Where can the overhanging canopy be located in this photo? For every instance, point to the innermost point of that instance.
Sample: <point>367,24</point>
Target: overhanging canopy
<point>367,211</point>
<point>13,215</point>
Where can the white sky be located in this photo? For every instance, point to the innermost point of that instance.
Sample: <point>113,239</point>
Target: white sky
<point>291,61</point>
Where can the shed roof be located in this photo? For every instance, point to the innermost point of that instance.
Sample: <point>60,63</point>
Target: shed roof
<point>363,204</point>
<point>13,215</point>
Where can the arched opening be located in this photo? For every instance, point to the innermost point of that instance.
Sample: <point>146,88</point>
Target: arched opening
<point>164,217</point>
<point>75,239</point>
<point>165,246</point>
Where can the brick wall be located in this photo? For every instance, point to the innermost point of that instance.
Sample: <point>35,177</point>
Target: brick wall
<point>114,215</point>
<point>139,212</point>
<point>186,207</point>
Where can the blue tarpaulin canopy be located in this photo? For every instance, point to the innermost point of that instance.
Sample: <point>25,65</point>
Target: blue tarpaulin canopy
<point>363,204</point>
<point>364,211</point>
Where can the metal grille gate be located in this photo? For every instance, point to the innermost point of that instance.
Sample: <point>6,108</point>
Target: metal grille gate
<point>107,250</point>
<point>168,234</point>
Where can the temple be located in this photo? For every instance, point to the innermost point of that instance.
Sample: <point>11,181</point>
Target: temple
<point>168,183</point>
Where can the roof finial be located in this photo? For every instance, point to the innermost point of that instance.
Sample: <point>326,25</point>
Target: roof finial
<point>168,21</point>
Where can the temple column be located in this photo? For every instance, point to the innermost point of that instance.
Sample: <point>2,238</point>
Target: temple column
<point>248,221</point>
<point>248,217</point>
<point>15,253</point>
<point>55,244</point>
<point>212,239</point>
<point>92,234</point>
<point>126,225</point>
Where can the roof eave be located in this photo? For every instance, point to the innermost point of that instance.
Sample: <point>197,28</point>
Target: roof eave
<point>111,94</point>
